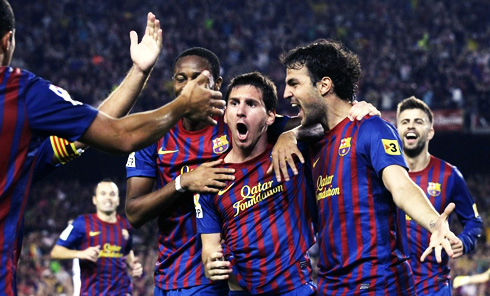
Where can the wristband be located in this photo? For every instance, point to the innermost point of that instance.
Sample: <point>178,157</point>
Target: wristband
<point>177,185</point>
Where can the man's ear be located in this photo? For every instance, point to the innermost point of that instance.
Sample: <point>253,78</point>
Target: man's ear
<point>218,83</point>
<point>6,41</point>
<point>325,85</point>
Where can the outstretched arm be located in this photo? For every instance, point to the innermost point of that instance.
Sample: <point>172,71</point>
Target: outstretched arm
<point>144,56</point>
<point>411,199</point>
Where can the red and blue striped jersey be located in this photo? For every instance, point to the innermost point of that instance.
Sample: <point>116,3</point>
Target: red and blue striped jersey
<point>109,275</point>
<point>266,225</point>
<point>179,151</point>
<point>442,184</point>
<point>360,251</point>
<point>31,109</point>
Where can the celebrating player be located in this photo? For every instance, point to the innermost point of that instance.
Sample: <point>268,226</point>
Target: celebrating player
<point>360,177</point>
<point>103,244</point>
<point>266,225</point>
<point>32,109</point>
<point>443,184</point>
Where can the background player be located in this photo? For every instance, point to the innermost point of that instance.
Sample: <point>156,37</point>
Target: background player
<point>33,109</point>
<point>103,244</point>
<point>360,176</point>
<point>266,225</point>
<point>442,184</point>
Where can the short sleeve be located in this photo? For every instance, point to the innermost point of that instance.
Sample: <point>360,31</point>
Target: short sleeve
<point>380,143</point>
<point>142,163</point>
<point>208,220</point>
<point>51,110</point>
<point>73,235</point>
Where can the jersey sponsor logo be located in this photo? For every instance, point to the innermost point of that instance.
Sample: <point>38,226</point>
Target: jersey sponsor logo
<point>131,163</point>
<point>111,251</point>
<point>220,144</point>
<point>222,191</point>
<point>324,187</point>
<point>254,195</point>
<point>391,147</point>
<point>344,147</point>
<point>93,233</point>
<point>434,189</point>
<point>163,152</point>
<point>197,206</point>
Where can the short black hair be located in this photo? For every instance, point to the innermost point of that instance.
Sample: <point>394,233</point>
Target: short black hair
<point>414,103</point>
<point>7,19</point>
<point>327,58</point>
<point>205,54</point>
<point>261,82</point>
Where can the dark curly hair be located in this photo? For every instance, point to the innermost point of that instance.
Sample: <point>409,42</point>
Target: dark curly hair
<point>7,20</point>
<point>327,58</point>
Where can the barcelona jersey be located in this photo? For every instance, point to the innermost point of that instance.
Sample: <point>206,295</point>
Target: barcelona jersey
<point>180,151</point>
<point>442,184</point>
<point>109,275</point>
<point>31,109</point>
<point>360,251</point>
<point>266,225</point>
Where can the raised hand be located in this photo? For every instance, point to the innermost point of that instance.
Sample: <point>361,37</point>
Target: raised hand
<point>145,54</point>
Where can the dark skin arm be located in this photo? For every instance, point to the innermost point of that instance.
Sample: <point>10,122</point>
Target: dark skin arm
<point>143,204</point>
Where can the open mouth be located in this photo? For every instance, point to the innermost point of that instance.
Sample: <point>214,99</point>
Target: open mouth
<point>242,130</point>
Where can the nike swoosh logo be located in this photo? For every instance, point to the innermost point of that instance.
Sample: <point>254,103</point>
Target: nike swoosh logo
<point>161,151</point>
<point>314,164</point>
<point>221,192</point>
<point>94,233</point>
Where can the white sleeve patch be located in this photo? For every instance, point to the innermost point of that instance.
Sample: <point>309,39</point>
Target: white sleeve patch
<point>197,206</point>
<point>64,235</point>
<point>131,163</point>
<point>63,94</point>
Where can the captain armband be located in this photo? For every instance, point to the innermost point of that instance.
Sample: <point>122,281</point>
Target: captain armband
<point>64,150</point>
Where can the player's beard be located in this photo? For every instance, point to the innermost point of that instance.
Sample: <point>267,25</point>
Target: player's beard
<point>415,151</point>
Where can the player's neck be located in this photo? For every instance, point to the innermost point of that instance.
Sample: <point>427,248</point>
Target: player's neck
<point>337,110</point>
<point>419,162</point>
<point>238,154</point>
<point>107,217</point>
<point>192,126</point>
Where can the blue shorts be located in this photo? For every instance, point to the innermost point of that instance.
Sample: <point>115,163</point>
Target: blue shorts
<point>307,289</point>
<point>204,290</point>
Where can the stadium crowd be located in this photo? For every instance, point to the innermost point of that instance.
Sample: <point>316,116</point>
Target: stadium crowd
<point>437,51</point>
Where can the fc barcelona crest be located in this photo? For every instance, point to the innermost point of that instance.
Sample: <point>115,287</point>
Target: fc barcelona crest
<point>434,189</point>
<point>220,144</point>
<point>344,146</point>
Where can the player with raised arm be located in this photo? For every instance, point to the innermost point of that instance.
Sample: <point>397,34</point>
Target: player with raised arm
<point>177,165</point>
<point>443,184</point>
<point>360,178</point>
<point>32,108</point>
<point>103,243</point>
